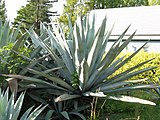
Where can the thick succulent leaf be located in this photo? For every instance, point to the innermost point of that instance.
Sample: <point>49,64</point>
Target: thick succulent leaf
<point>91,79</point>
<point>43,30</point>
<point>65,115</point>
<point>18,106</point>
<point>45,46</point>
<point>104,87</point>
<point>66,97</point>
<point>82,33</point>
<point>127,71</point>
<point>25,70</point>
<point>84,75</point>
<point>49,115</point>
<point>33,115</point>
<point>104,74</point>
<point>11,110</point>
<point>112,69</point>
<point>4,34</point>
<point>16,32</point>
<point>129,58</point>
<point>26,114</point>
<point>63,49</point>
<point>3,102</point>
<point>32,63</point>
<point>60,37</point>
<point>98,41</point>
<point>103,47</point>
<point>52,53</point>
<point>125,43</point>
<point>124,75</point>
<point>90,32</point>
<point>34,37</point>
<point>131,99</point>
<point>79,46</point>
<point>112,53</point>
<point>10,107</point>
<point>37,98</point>
<point>96,94</point>
<point>35,52</point>
<point>52,78</point>
<point>71,35</point>
<point>52,69</point>
<point>35,80</point>
<point>133,87</point>
<point>55,92</point>
<point>19,42</point>
<point>129,75</point>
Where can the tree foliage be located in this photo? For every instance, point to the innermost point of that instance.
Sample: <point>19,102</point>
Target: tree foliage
<point>74,7</point>
<point>3,15</point>
<point>154,2</point>
<point>34,12</point>
<point>103,4</point>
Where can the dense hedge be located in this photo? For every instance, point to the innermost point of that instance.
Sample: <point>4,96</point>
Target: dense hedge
<point>140,57</point>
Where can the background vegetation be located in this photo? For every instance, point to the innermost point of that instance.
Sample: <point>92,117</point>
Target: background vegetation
<point>33,13</point>
<point>143,56</point>
<point>3,15</point>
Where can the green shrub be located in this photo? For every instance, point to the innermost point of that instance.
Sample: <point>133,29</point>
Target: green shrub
<point>13,61</point>
<point>141,57</point>
<point>11,40</point>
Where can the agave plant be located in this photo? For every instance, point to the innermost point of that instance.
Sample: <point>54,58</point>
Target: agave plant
<point>83,67</point>
<point>10,109</point>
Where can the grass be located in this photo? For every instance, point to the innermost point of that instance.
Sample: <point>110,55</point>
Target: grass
<point>116,110</point>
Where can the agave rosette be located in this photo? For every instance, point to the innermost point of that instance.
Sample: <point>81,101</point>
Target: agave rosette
<point>84,55</point>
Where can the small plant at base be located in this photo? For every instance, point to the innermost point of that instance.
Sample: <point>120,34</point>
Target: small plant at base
<point>9,109</point>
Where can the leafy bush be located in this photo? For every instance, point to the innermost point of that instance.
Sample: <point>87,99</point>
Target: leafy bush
<point>140,57</point>
<point>11,40</point>
<point>12,62</point>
